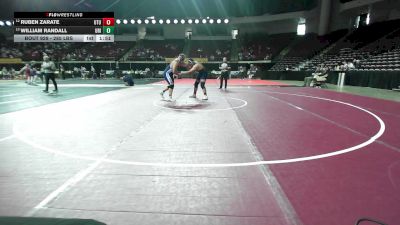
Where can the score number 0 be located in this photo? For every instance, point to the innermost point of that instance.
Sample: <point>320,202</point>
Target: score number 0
<point>108,21</point>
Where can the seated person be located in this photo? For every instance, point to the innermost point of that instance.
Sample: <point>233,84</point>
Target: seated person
<point>102,74</point>
<point>128,80</point>
<point>308,80</point>
<point>83,72</point>
<point>252,71</point>
<point>319,78</point>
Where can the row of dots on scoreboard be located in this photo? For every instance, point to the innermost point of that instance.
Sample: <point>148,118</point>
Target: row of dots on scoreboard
<point>174,21</point>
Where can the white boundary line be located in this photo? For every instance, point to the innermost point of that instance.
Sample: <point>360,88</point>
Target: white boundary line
<point>88,85</point>
<point>279,195</point>
<point>70,182</point>
<point>79,176</point>
<point>9,95</point>
<point>20,100</point>
<point>204,110</point>
<point>6,138</point>
<point>20,136</point>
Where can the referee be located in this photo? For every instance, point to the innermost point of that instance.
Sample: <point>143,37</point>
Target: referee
<point>224,72</point>
<point>48,69</point>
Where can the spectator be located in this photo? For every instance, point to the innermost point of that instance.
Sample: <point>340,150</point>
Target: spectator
<point>83,72</point>
<point>4,73</point>
<point>308,80</point>
<point>102,74</point>
<point>344,66</point>
<point>26,70</point>
<point>147,72</point>
<point>75,72</point>
<point>252,71</point>
<point>33,75</point>
<point>242,72</point>
<point>128,80</point>
<point>93,72</point>
<point>350,66</point>
<point>62,72</point>
<point>320,77</point>
<point>12,73</point>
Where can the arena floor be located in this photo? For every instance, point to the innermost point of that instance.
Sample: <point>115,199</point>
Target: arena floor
<point>259,153</point>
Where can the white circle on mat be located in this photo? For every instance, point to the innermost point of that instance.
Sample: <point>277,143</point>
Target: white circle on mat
<point>381,130</point>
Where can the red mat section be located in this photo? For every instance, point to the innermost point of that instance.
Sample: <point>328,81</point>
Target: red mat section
<point>387,110</point>
<point>339,189</point>
<point>231,82</point>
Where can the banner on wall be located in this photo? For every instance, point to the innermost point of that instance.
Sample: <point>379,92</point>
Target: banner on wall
<point>200,60</point>
<point>10,60</point>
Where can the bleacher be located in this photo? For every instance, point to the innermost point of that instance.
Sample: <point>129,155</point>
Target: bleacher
<point>107,51</point>
<point>165,48</point>
<point>213,50</point>
<point>306,47</point>
<point>261,47</point>
<point>140,53</point>
<point>372,46</point>
<point>387,43</point>
<point>65,51</point>
<point>364,35</point>
<point>389,61</point>
<point>286,63</point>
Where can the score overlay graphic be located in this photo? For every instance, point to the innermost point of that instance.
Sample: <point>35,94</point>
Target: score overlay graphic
<point>64,26</point>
